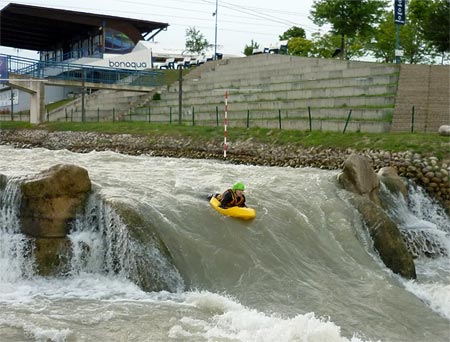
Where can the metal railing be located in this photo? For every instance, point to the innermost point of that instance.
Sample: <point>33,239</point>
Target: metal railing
<point>83,73</point>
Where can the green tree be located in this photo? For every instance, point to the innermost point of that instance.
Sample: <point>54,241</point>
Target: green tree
<point>383,43</point>
<point>293,32</point>
<point>299,46</point>
<point>412,39</point>
<point>433,21</point>
<point>325,45</point>
<point>348,18</point>
<point>195,41</point>
<point>248,50</point>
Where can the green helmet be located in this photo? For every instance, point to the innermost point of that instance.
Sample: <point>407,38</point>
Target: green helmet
<point>238,186</point>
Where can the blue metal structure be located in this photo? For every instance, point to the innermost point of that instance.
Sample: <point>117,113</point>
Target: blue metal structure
<point>83,73</point>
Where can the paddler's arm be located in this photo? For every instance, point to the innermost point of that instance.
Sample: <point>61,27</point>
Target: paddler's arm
<point>226,198</point>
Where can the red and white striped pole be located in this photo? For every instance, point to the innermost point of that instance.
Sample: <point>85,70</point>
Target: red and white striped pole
<point>225,123</point>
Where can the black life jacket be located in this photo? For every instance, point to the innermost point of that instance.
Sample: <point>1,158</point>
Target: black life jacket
<point>237,201</point>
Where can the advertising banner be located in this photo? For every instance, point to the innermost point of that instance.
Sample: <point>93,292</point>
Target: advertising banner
<point>3,69</point>
<point>399,12</point>
<point>138,60</point>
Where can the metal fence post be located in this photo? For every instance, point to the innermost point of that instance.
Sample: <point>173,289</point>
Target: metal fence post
<point>412,120</point>
<point>348,119</point>
<point>217,116</point>
<point>310,119</point>
<point>279,118</point>
<point>248,118</point>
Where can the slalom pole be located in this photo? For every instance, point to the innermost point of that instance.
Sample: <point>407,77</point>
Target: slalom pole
<point>225,123</point>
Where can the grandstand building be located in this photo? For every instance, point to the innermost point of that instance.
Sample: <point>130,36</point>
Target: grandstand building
<point>75,37</point>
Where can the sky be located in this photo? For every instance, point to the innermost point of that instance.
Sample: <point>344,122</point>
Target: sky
<point>238,21</point>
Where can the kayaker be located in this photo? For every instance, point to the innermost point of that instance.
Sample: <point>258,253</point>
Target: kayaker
<point>233,197</point>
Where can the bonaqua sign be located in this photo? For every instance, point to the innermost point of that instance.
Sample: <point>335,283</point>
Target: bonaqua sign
<point>129,65</point>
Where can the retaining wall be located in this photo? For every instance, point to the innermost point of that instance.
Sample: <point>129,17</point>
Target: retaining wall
<point>279,91</point>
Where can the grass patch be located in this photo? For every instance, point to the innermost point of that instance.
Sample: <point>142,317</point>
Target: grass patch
<point>15,124</point>
<point>171,76</point>
<point>57,104</point>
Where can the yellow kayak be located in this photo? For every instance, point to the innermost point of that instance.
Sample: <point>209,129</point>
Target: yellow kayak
<point>237,212</point>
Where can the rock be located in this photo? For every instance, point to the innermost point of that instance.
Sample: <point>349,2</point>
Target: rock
<point>3,181</point>
<point>154,269</point>
<point>387,239</point>
<point>358,177</point>
<point>51,199</point>
<point>444,130</point>
<point>52,256</point>
<point>389,177</point>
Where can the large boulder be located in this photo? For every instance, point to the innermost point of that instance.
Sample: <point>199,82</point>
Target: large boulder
<point>393,182</point>
<point>386,238</point>
<point>3,181</point>
<point>444,130</point>
<point>52,256</point>
<point>51,199</point>
<point>359,178</point>
<point>153,266</point>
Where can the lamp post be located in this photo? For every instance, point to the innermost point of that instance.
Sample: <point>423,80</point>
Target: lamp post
<point>215,33</point>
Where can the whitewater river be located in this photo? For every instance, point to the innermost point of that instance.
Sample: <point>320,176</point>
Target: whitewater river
<point>303,270</point>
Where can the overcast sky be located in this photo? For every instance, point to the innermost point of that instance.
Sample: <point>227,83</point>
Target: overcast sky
<point>238,21</point>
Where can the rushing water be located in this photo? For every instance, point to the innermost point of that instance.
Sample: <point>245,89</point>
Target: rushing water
<point>303,270</point>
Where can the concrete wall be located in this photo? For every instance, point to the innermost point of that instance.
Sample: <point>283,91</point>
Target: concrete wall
<point>274,91</point>
<point>427,89</point>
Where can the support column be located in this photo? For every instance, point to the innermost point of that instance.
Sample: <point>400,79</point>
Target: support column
<point>37,103</point>
<point>36,88</point>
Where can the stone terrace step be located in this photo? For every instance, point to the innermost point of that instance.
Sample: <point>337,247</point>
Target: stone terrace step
<point>374,102</point>
<point>290,83</point>
<point>265,88</point>
<point>277,75</point>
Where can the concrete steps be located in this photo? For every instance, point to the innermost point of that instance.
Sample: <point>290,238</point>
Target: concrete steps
<point>264,90</point>
<point>262,87</point>
<point>100,106</point>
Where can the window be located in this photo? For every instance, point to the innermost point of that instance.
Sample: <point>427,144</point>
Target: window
<point>117,42</point>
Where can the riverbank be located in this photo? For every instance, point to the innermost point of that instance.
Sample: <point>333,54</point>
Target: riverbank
<point>428,172</point>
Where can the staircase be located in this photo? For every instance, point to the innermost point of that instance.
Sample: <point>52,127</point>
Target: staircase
<point>102,105</point>
<point>274,91</point>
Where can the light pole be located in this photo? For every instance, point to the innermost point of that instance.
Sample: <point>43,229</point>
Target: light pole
<point>215,33</point>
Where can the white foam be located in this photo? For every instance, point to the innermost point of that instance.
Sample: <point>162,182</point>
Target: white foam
<point>86,286</point>
<point>42,334</point>
<point>436,295</point>
<point>39,334</point>
<point>229,320</point>
<point>207,316</point>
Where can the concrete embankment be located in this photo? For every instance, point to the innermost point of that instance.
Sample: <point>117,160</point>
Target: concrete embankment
<point>428,172</point>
